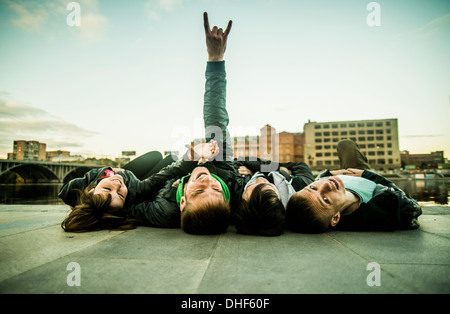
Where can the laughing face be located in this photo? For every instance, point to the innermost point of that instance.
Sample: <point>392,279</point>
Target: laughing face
<point>327,195</point>
<point>201,187</point>
<point>115,187</point>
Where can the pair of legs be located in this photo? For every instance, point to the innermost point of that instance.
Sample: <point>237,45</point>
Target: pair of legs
<point>150,163</point>
<point>350,156</point>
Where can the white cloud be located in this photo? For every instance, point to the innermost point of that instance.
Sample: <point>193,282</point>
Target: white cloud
<point>153,8</point>
<point>47,17</point>
<point>21,121</point>
<point>93,27</point>
<point>30,16</point>
<point>441,23</point>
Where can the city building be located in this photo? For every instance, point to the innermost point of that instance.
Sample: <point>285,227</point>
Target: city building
<point>68,158</point>
<point>245,146</point>
<point>291,147</point>
<point>28,150</point>
<point>57,154</point>
<point>423,161</point>
<point>282,147</point>
<point>377,139</point>
<point>128,153</point>
<point>262,146</point>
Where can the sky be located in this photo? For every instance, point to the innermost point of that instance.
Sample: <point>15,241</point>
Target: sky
<point>131,75</point>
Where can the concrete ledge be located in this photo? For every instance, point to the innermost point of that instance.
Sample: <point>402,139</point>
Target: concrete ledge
<point>35,253</point>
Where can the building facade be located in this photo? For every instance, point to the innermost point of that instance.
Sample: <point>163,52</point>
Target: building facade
<point>423,161</point>
<point>57,154</point>
<point>245,146</point>
<point>291,147</point>
<point>282,147</point>
<point>29,150</point>
<point>377,139</point>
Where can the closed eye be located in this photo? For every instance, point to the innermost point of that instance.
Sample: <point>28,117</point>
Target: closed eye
<point>197,192</point>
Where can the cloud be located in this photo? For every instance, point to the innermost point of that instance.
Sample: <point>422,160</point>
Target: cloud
<point>421,135</point>
<point>23,126</point>
<point>46,18</point>
<point>439,24</point>
<point>153,8</point>
<point>28,16</point>
<point>21,121</point>
<point>18,110</point>
<point>93,27</point>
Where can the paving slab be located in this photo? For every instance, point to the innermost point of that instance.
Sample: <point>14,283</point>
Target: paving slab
<point>37,256</point>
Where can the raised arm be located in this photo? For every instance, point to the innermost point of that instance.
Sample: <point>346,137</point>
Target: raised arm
<point>215,114</point>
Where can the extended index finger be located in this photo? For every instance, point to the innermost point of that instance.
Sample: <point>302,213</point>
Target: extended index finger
<point>206,23</point>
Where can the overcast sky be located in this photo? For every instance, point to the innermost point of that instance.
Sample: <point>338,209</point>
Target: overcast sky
<point>131,76</point>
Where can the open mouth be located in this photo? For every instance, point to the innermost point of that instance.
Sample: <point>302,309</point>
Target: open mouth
<point>336,184</point>
<point>203,173</point>
<point>117,178</point>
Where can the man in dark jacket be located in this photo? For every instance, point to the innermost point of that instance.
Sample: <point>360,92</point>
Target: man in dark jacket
<point>198,191</point>
<point>351,199</point>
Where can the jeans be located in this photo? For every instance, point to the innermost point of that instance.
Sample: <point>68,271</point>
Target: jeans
<point>350,156</point>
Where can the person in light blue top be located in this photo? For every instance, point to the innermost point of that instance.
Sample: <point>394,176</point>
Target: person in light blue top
<point>354,198</point>
<point>363,188</point>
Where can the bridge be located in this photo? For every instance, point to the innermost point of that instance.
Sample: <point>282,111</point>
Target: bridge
<point>44,171</point>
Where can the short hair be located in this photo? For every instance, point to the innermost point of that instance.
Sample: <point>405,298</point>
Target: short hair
<point>92,212</point>
<point>302,216</point>
<point>211,217</point>
<point>262,214</point>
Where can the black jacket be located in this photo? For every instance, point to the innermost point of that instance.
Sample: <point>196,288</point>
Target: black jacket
<point>389,209</point>
<point>163,210</point>
<point>138,191</point>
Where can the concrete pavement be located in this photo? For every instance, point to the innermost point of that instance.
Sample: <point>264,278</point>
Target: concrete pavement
<point>37,256</point>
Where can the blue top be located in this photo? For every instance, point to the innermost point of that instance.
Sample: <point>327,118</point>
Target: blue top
<point>360,186</point>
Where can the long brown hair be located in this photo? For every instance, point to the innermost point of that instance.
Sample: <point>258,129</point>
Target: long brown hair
<point>94,213</point>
